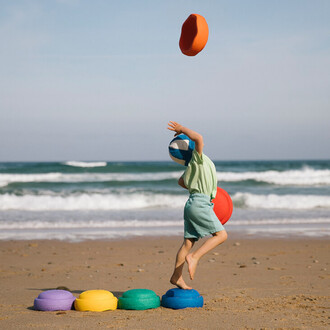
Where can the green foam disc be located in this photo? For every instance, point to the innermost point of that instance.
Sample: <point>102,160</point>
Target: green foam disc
<point>139,299</point>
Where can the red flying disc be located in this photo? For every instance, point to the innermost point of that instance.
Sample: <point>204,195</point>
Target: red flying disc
<point>223,205</point>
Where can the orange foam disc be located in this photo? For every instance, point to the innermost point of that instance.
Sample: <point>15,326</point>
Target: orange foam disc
<point>194,35</point>
<point>223,205</point>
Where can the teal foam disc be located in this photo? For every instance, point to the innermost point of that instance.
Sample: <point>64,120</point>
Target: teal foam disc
<point>139,299</point>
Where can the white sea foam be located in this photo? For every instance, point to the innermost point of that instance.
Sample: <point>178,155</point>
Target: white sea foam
<point>282,221</point>
<point>306,176</point>
<point>285,232</point>
<point>290,202</point>
<point>39,224</point>
<point>90,202</point>
<point>303,177</point>
<point>85,164</point>
<point>6,179</point>
<point>136,200</point>
<point>118,224</point>
<point>77,235</point>
<point>87,230</point>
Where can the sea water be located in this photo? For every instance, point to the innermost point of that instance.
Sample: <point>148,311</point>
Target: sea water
<point>103,200</point>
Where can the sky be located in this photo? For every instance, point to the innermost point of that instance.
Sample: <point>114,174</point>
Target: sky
<point>99,80</point>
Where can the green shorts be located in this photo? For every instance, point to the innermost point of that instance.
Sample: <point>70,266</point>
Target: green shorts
<point>199,217</point>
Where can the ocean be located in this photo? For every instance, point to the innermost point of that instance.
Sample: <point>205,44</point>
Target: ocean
<point>77,201</point>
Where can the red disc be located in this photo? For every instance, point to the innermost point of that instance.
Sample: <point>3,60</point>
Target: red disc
<point>223,205</point>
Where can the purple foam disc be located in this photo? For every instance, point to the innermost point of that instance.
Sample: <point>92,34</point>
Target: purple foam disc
<point>54,300</point>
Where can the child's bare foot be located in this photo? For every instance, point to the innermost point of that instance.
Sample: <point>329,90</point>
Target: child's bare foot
<point>180,283</point>
<point>192,265</point>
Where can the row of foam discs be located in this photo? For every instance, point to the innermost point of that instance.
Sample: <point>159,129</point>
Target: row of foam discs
<point>103,300</point>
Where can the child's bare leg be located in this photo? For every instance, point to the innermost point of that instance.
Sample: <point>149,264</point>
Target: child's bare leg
<point>193,258</point>
<point>176,277</point>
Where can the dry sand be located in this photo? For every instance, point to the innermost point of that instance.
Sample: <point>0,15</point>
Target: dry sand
<point>246,283</point>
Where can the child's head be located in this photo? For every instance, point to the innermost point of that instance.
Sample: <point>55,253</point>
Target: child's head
<point>181,148</point>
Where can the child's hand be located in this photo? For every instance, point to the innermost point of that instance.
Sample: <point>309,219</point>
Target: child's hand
<point>196,137</point>
<point>173,126</point>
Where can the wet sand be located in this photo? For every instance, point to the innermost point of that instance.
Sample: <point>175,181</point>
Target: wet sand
<point>246,283</point>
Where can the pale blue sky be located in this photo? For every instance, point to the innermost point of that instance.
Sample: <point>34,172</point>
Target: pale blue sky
<point>98,80</point>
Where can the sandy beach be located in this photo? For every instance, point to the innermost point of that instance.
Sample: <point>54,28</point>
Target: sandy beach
<point>246,283</point>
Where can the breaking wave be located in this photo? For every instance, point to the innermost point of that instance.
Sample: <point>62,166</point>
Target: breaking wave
<point>289,202</point>
<point>85,164</point>
<point>305,176</point>
<point>90,202</point>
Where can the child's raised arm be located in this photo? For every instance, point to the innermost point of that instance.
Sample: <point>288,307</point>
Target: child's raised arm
<point>196,137</point>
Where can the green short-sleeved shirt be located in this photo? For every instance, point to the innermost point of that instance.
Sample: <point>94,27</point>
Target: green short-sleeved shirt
<point>200,175</point>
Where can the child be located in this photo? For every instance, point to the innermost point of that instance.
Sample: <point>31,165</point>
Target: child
<point>199,218</point>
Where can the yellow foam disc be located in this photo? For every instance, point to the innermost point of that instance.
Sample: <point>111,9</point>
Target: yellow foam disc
<point>96,301</point>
